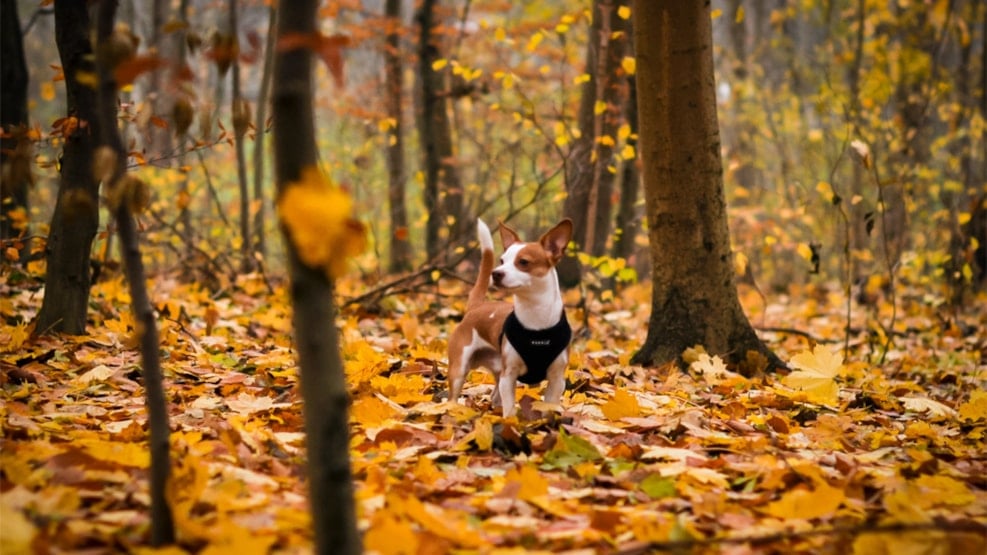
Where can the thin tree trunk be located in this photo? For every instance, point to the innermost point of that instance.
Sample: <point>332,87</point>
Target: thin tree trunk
<point>857,211</point>
<point>16,162</point>
<point>743,150</point>
<point>628,218</point>
<point>260,130</point>
<point>162,524</point>
<point>694,295</point>
<point>160,147</point>
<point>323,381</point>
<point>241,118</point>
<point>76,217</point>
<point>185,194</point>
<point>400,248</point>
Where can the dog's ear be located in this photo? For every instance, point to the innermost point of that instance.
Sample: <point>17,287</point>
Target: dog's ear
<point>507,235</point>
<point>556,239</point>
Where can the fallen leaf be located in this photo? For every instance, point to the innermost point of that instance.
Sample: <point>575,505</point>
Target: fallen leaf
<point>816,375</point>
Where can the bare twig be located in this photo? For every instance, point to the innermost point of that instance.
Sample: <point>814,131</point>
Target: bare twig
<point>212,189</point>
<point>800,333</point>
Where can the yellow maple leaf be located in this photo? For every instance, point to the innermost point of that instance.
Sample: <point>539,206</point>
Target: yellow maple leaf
<point>944,490</point>
<point>912,501</point>
<point>126,454</point>
<point>711,367</point>
<point>816,375</point>
<point>530,482</point>
<point>17,534</point>
<point>622,405</point>
<point>483,434</point>
<point>928,406</point>
<point>976,408</point>
<point>426,472</point>
<point>318,217</point>
<point>807,504</point>
<point>231,538</point>
<point>371,412</point>
<point>390,535</point>
<point>629,65</point>
<point>449,524</point>
<point>402,388</point>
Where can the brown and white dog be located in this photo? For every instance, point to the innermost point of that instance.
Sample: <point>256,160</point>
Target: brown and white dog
<point>525,341</point>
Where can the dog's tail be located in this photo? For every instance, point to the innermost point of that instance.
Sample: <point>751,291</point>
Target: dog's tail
<point>479,292</point>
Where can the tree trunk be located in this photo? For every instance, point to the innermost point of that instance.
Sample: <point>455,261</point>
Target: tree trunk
<point>185,194</point>
<point>400,247</point>
<point>628,219</point>
<point>589,176</point>
<point>742,147</point>
<point>76,217</point>
<point>241,120</point>
<point>323,381</point>
<point>117,185</point>
<point>160,138</point>
<point>16,162</point>
<point>694,296</point>
<point>443,191</point>
<point>260,129</point>
<point>857,212</point>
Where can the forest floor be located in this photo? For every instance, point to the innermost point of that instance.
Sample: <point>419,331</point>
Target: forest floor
<point>854,455</point>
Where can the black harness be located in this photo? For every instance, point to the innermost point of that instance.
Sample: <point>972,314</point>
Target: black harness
<point>538,348</point>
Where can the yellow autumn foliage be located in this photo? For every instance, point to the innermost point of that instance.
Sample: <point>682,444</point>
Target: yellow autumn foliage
<point>318,217</point>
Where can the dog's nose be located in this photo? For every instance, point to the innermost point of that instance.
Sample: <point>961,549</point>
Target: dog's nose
<point>498,276</point>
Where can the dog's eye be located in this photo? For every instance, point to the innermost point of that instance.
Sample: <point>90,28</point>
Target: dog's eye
<point>523,263</point>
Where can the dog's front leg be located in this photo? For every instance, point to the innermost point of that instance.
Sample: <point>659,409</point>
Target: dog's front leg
<point>507,387</point>
<point>556,379</point>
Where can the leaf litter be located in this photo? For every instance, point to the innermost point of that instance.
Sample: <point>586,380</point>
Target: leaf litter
<point>838,452</point>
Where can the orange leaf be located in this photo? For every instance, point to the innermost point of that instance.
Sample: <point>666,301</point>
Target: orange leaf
<point>622,405</point>
<point>807,504</point>
<point>529,482</point>
<point>133,67</point>
<point>329,49</point>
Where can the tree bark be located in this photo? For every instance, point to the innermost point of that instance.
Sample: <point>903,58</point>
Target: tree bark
<point>399,259</point>
<point>694,296</point>
<point>260,129</point>
<point>13,116</point>
<point>628,218</point>
<point>160,138</point>
<point>323,381</point>
<point>589,179</point>
<point>76,218</point>
<point>443,191</point>
<point>241,119</point>
<point>162,524</point>
<point>185,193</point>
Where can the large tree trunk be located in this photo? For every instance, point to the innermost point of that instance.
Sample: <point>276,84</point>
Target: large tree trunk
<point>589,179</point>
<point>443,191</point>
<point>400,247</point>
<point>323,381</point>
<point>120,187</point>
<point>13,116</point>
<point>76,217</point>
<point>694,296</point>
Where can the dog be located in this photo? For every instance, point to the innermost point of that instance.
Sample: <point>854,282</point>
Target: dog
<point>526,341</point>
